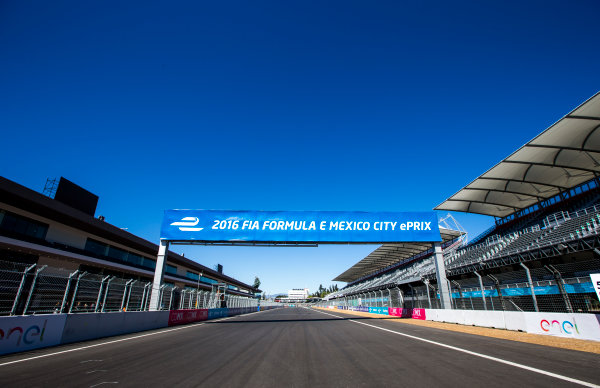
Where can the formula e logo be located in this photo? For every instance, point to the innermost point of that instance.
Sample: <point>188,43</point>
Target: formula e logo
<point>187,224</point>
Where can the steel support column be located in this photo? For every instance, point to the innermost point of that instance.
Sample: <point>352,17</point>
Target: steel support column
<point>440,272</point>
<point>159,273</point>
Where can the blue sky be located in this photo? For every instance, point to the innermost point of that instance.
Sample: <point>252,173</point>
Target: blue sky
<point>379,106</point>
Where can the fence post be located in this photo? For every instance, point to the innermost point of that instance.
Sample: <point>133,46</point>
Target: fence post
<point>498,290</point>
<point>412,296</point>
<point>129,295</point>
<point>16,302</point>
<point>100,293</point>
<point>32,288</point>
<point>561,286</point>
<point>106,293</point>
<point>426,282</point>
<point>531,288</point>
<point>400,297</point>
<point>161,292</point>
<point>75,290</point>
<point>482,290</point>
<point>64,301</point>
<point>143,304</point>
<point>171,296</point>
<point>462,300</point>
<point>125,293</point>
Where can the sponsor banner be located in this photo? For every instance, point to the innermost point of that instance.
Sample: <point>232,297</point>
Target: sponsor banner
<point>180,317</point>
<point>217,313</point>
<point>596,283</point>
<point>407,313</point>
<point>400,312</point>
<point>418,314</point>
<point>21,333</point>
<point>378,310</point>
<point>577,288</point>
<point>299,226</point>
<point>582,326</point>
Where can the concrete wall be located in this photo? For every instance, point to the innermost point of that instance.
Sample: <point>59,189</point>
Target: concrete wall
<point>579,326</point>
<point>85,326</point>
<point>22,333</point>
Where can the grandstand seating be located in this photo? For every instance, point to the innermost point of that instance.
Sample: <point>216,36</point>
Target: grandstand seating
<point>541,231</point>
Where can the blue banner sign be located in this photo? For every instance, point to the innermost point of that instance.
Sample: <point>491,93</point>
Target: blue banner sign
<point>299,226</point>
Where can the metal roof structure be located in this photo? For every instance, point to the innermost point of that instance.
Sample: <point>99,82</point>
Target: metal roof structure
<point>565,155</point>
<point>390,254</point>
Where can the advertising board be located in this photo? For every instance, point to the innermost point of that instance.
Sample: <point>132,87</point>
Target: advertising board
<point>22,333</point>
<point>299,226</point>
<point>180,317</point>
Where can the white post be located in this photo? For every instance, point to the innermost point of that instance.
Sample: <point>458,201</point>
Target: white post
<point>159,272</point>
<point>440,272</point>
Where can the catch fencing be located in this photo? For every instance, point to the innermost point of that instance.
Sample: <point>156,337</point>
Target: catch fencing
<point>27,289</point>
<point>559,288</point>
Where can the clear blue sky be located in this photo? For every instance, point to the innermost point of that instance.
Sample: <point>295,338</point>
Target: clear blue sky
<point>348,105</point>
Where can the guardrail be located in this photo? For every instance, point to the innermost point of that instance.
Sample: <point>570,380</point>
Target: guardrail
<point>23,333</point>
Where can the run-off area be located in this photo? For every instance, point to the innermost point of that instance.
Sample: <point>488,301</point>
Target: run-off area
<point>301,347</point>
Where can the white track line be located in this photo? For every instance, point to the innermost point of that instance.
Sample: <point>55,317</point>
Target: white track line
<point>124,339</point>
<point>516,365</point>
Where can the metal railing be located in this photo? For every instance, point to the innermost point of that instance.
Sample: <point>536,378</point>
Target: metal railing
<point>550,288</point>
<point>27,289</point>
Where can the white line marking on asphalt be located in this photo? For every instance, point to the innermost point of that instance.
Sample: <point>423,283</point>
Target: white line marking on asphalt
<point>94,371</point>
<point>529,368</point>
<point>104,382</point>
<point>83,362</point>
<point>122,340</point>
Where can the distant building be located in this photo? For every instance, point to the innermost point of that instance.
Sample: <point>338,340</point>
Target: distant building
<point>298,293</point>
<point>64,233</point>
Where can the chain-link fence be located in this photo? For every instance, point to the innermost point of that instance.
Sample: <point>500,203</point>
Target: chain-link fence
<point>31,289</point>
<point>562,287</point>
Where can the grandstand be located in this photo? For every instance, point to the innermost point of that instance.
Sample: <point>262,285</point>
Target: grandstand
<point>543,246</point>
<point>56,256</point>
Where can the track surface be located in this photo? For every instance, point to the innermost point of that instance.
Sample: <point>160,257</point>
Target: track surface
<point>297,347</point>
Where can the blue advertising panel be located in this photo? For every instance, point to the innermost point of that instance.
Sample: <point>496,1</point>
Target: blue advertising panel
<point>299,226</point>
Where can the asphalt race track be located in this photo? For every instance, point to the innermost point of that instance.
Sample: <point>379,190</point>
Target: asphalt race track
<point>298,347</point>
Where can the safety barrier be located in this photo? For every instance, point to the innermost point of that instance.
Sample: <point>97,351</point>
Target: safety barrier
<point>22,333</point>
<point>83,327</point>
<point>379,310</point>
<point>575,325</point>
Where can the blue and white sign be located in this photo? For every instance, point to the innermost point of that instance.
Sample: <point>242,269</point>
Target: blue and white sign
<point>299,226</point>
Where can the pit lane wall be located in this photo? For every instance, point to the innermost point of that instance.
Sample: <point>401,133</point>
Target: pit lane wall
<point>24,333</point>
<point>566,325</point>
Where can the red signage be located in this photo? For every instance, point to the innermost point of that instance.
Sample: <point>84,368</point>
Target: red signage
<point>407,313</point>
<point>180,317</point>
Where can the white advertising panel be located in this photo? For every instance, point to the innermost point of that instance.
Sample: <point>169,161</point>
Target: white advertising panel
<point>581,326</point>
<point>596,283</point>
<point>22,333</point>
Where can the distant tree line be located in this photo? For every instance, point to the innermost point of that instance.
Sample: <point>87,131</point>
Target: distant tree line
<point>322,291</point>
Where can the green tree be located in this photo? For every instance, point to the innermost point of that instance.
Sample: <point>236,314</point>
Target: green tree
<point>256,282</point>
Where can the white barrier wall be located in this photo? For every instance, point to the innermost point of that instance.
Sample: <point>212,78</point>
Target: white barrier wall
<point>86,326</point>
<point>21,333</point>
<point>579,326</point>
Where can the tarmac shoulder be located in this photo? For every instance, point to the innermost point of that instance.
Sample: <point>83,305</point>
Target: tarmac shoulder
<point>545,340</point>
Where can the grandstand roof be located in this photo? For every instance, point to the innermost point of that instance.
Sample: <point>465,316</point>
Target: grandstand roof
<point>390,254</point>
<point>563,156</point>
